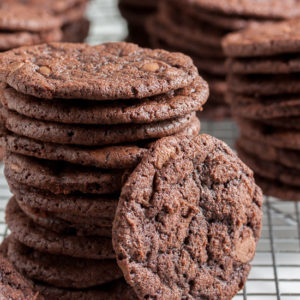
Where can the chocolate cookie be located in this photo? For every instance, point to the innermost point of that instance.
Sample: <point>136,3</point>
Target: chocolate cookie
<point>92,135</point>
<point>110,157</point>
<point>15,16</point>
<point>10,40</point>
<point>264,108</point>
<point>198,245</point>
<point>76,32</point>
<point>284,122</point>
<point>55,6</point>
<point>13,285</point>
<point>2,153</point>
<point>162,107</point>
<point>285,157</point>
<point>116,290</point>
<point>263,85</point>
<point>281,138</point>
<point>278,189</point>
<point>223,21</point>
<point>270,170</point>
<point>260,9</point>
<point>76,204</point>
<point>104,72</point>
<point>62,271</point>
<point>213,66</point>
<point>61,178</point>
<point>266,39</point>
<point>28,233</point>
<point>61,224</point>
<point>215,111</point>
<point>264,65</point>
<point>75,13</point>
<point>166,38</point>
<point>196,31</point>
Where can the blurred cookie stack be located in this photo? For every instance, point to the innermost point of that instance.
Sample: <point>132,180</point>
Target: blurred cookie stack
<point>263,91</point>
<point>136,13</point>
<point>78,119</point>
<point>75,26</point>
<point>197,28</point>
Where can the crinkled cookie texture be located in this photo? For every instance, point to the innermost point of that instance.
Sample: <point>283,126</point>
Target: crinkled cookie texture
<point>15,16</point>
<point>188,221</point>
<point>13,285</point>
<point>162,107</point>
<point>266,39</point>
<point>256,8</point>
<point>105,72</point>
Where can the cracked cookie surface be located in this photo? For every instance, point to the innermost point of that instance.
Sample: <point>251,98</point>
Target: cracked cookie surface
<point>188,221</point>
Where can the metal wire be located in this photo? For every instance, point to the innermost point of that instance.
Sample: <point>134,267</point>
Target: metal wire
<point>275,270</point>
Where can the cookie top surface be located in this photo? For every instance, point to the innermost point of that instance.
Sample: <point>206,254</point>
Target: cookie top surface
<point>13,285</point>
<point>15,16</point>
<point>265,39</point>
<point>190,211</point>
<point>254,8</point>
<point>166,106</point>
<point>105,72</point>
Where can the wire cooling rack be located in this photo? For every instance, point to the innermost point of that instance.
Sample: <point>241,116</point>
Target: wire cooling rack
<point>275,271</point>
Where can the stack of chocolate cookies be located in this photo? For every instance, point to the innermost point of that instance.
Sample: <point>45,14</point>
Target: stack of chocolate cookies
<point>197,28</point>
<point>136,13</point>
<point>263,91</point>
<point>78,120</point>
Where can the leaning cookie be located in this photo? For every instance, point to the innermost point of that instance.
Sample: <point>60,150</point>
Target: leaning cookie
<point>188,221</point>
